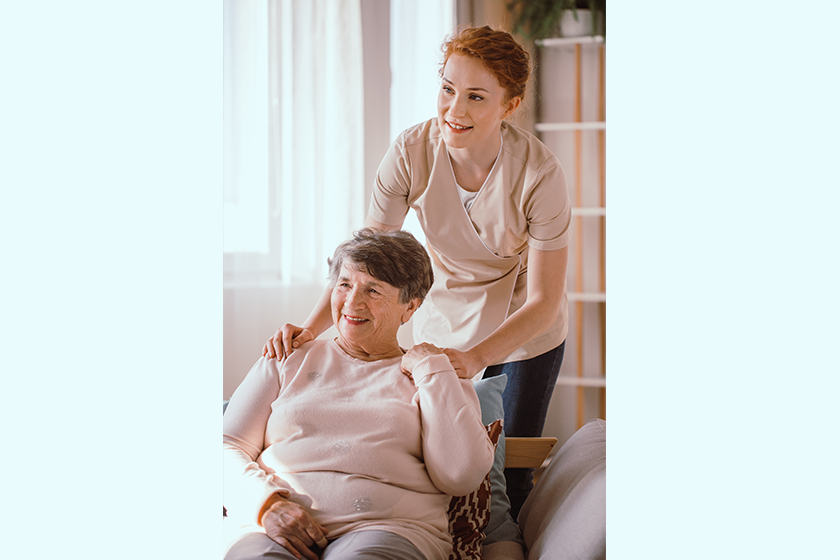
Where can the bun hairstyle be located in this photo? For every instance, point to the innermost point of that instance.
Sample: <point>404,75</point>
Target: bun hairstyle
<point>500,53</point>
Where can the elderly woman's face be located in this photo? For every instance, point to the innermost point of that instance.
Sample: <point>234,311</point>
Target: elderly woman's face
<point>367,312</point>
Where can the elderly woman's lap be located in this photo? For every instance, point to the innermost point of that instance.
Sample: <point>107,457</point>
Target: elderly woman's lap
<point>365,545</point>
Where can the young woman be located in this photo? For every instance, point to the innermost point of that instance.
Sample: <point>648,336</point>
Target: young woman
<point>493,204</point>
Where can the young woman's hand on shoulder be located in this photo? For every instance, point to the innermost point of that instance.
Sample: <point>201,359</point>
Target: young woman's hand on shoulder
<point>464,364</point>
<point>285,340</point>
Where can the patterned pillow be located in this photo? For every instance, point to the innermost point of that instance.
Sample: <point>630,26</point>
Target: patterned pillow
<point>469,515</point>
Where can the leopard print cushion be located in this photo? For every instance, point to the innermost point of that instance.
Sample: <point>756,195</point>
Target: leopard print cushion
<point>469,515</point>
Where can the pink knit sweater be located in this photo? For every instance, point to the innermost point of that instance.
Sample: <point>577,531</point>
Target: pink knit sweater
<point>357,443</point>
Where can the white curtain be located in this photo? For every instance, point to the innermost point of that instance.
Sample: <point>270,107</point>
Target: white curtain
<point>418,30</point>
<point>245,126</point>
<point>294,161</point>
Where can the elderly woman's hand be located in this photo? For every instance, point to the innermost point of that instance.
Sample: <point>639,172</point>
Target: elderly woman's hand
<point>418,352</point>
<point>285,340</point>
<point>291,526</point>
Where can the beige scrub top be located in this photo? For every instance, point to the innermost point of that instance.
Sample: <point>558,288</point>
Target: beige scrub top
<point>480,258</point>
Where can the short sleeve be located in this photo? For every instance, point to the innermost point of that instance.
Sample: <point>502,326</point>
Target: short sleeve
<point>389,201</point>
<point>549,209</point>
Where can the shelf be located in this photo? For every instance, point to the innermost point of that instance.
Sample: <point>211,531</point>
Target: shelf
<point>582,381</point>
<point>562,41</point>
<point>570,126</point>
<point>590,211</point>
<point>587,297</point>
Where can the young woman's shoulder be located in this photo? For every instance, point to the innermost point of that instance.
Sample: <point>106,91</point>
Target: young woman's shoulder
<point>426,131</point>
<point>521,145</point>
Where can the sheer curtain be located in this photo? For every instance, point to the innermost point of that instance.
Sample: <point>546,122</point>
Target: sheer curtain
<point>294,116</point>
<point>295,144</point>
<point>418,30</point>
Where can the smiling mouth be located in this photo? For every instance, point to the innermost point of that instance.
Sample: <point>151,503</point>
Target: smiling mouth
<point>458,127</point>
<point>355,320</point>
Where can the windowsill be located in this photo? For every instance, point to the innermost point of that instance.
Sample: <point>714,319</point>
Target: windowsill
<point>264,280</point>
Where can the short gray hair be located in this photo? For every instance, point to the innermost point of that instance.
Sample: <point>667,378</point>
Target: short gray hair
<point>394,256</point>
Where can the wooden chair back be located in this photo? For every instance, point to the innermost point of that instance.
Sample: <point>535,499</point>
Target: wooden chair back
<point>527,452</point>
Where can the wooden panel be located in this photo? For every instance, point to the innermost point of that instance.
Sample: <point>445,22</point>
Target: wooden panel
<point>527,452</point>
<point>578,237</point>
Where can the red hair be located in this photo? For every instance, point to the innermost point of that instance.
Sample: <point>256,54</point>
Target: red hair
<point>498,51</point>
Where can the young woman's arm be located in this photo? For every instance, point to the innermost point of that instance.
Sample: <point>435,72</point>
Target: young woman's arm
<point>289,336</point>
<point>546,283</point>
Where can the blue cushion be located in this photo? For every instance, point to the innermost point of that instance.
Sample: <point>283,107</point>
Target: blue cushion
<point>501,526</point>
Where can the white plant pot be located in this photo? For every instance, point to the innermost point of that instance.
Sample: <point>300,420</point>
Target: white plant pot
<point>582,27</point>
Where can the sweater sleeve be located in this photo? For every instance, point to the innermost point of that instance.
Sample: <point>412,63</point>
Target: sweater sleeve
<point>246,485</point>
<point>456,450</point>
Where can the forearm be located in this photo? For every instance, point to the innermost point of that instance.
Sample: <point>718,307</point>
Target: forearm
<point>320,319</point>
<point>456,449</point>
<point>246,484</point>
<point>247,487</point>
<point>527,323</point>
<point>546,289</point>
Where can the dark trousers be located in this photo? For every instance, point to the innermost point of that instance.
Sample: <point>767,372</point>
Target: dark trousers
<point>529,389</point>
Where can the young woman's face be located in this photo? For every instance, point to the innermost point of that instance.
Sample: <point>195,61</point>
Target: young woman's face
<point>471,104</point>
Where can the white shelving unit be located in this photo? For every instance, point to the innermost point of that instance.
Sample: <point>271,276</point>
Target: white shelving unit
<point>560,127</point>
<point>578,296</point>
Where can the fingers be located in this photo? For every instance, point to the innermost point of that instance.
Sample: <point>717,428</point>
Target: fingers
<point>298,538</point>
<point>318,535</point>
<point>454,358</point>
<point>291,526</point>
<point>301,337</point>
<point>407,363</point>
<point>277,347</point>
<point>271,349</point>
<point>289,342</point>
<point>417,353</point>
<point>461,368</point>
<point>463,373</point>
<point>285,340</point>
<point>296,547</point>
<point>428,348</point>
<point>282,342</point>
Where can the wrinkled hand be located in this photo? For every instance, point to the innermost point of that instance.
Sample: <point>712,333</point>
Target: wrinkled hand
<point>285,340</point>
<point>465,366</point>
<point>418,352</point>
<point>290,525</point>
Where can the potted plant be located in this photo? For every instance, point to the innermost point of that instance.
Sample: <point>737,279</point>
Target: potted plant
<point>539,19</point>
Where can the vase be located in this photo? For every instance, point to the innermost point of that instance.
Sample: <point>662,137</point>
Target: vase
<point>582,27</point>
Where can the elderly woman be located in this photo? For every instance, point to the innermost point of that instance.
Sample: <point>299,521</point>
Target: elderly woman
<point>352,447</point>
